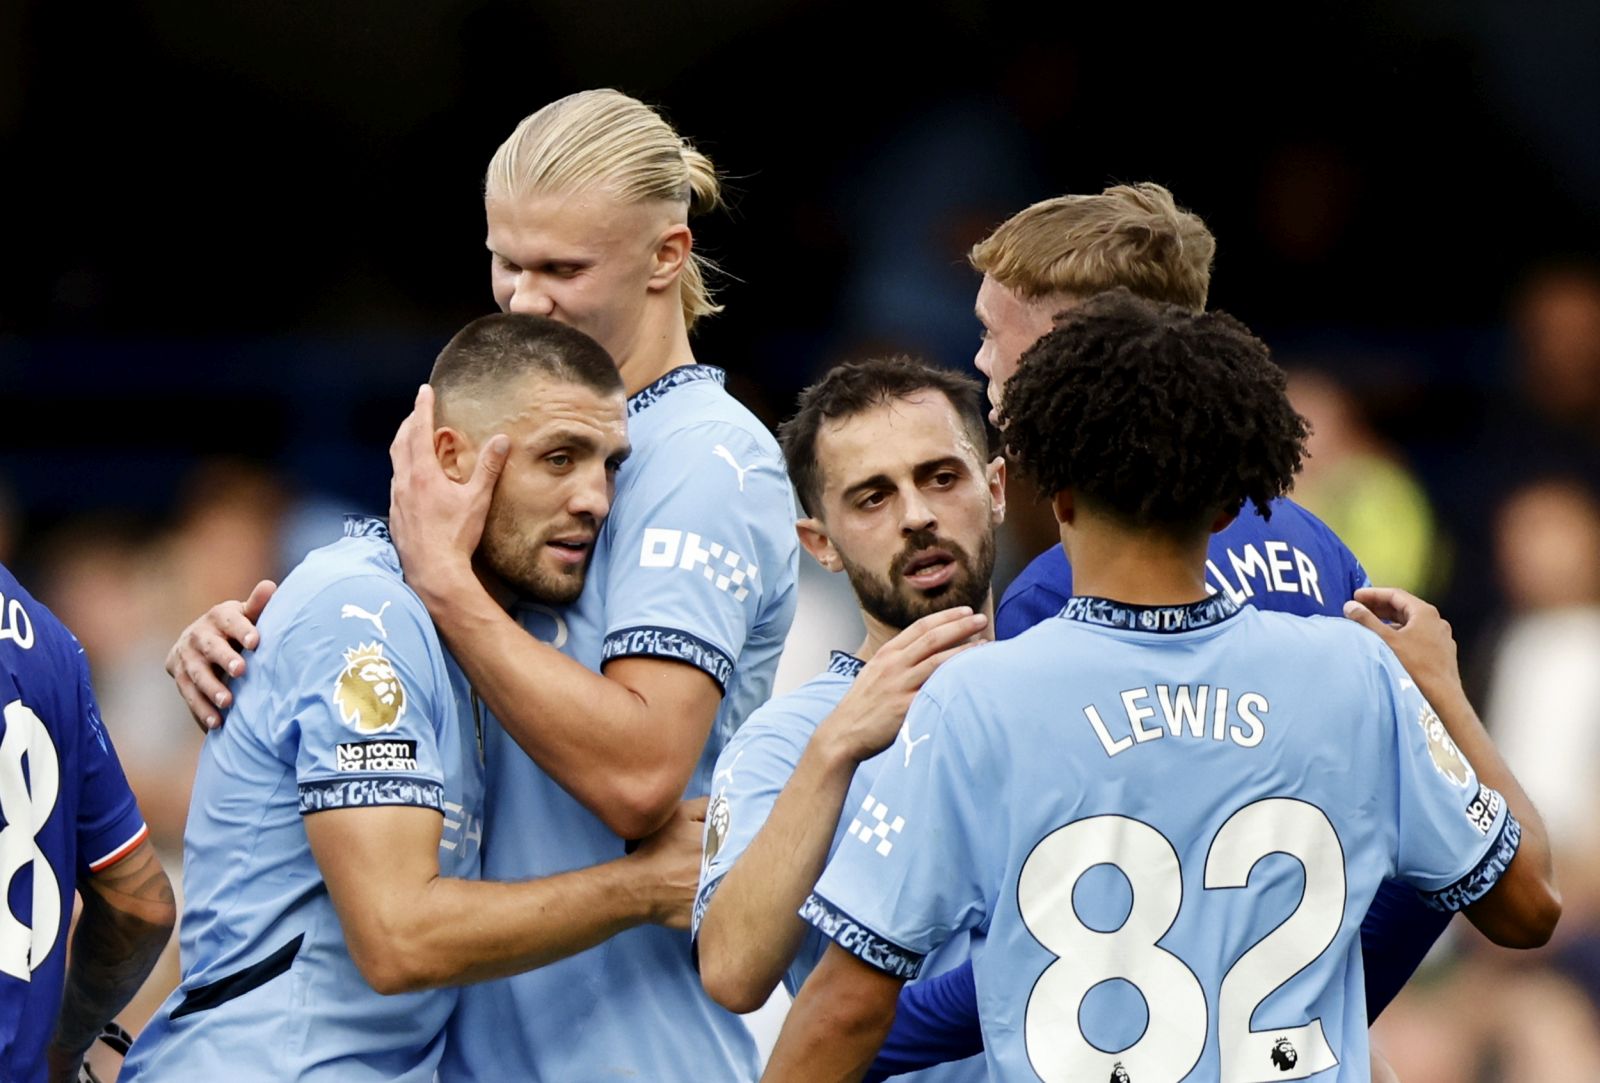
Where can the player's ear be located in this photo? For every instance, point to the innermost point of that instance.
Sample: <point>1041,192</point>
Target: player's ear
<point>671,255</point>
<point>456,453</point>
<point>1064,507</point>
<point>1224,520</point>
<point>995,475</point>
<point>814,537</point>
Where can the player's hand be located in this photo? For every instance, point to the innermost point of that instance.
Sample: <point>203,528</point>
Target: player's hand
<point>208,654</point>
<point>437,523</point>
<point>871,713</point>
<point>1415,631</point>
<point>669,862</point>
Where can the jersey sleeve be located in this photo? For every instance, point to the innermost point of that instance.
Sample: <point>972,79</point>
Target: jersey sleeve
<point>920,860</point>
<point>751,771</point>
<point>109,822</point>
<point>364,699</point>
<point>705,536</point>
<point>1456,835</point>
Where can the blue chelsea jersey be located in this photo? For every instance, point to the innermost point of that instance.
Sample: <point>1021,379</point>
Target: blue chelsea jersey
<point>350,702</point>
<point>1291,563</point>
<point>65,812</point>
<point>696,564</point>
<point>750,774</point>
<point>1169,822</point>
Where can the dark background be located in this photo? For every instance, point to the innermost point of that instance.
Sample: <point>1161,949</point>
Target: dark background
<point>247,228</point>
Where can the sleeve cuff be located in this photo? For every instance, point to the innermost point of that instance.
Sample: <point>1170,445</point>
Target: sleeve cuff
<point>860,941</point>
<point>650,642</point>
<point>1476,884</point>
<point>701,901</point>
<point>104,862</point>
<point>319,795</point>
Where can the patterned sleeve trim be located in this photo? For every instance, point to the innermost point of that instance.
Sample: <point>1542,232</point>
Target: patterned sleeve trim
<point>366,792</point>
<point>1476,884</point>
<point>673,644</point>
<point>860,941</point>
<point>701,902</point>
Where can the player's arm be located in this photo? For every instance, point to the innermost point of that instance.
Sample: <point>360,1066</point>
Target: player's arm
<point>752,929</point>
<point>128,914</point>
<point>935,1020</point>
<point>409,928</point>
<point>1522,909</point>
<point>623,742</point>
<point>836,1024</point>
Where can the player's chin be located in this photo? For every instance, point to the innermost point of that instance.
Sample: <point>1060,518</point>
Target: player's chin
<point>560,583</point>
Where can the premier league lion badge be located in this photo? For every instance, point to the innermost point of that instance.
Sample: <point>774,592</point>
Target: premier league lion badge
<point>1442,750</point>
<point>1284,1055</point>
<point>368,693</point>
<point>718,817</point>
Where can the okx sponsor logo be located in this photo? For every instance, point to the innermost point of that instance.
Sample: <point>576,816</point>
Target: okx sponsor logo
<point>722,567</point>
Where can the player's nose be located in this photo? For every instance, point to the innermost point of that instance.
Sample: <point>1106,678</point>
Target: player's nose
<point>915,513</point>
<point>528,299</point>
<point>591,497</point>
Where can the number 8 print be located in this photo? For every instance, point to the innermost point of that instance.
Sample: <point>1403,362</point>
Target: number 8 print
<point>1175,1036</point>
<point>25,805</point>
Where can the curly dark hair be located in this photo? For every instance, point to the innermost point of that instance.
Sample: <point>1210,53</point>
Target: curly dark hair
<point>855,387</point>
<point>1160,416</point>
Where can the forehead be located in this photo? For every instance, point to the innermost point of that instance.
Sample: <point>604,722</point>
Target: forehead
<point>539,402</point>
<point>584,222</point>
<point>892,438</point>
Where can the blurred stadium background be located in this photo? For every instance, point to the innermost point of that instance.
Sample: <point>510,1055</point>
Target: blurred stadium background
<point>236,235</point>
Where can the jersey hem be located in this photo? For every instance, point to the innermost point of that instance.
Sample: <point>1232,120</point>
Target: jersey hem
<point>1476,884</point>
<point>120,852</point>
<point>317,796</point>
<point>656,642</point>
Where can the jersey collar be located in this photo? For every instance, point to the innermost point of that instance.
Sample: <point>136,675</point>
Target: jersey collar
<point>1151,618</point>
<point>684,374</point>
<point>366,526</point>
<point>844,665</point>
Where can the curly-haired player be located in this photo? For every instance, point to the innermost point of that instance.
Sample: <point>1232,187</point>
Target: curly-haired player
<point>1159,788</point>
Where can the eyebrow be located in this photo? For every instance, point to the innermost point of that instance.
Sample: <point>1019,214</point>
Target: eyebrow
<point>920,470</point>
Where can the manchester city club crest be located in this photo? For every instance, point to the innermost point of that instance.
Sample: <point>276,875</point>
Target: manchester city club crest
<point>368,693</point>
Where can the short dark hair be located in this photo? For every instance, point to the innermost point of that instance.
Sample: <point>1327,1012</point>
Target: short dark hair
<point>492,350</point>
<point>1158,415</point>
<point>856,387</point>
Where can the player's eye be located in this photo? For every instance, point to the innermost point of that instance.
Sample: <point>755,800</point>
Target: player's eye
<point>613,465</point>
<point>562,270</point>
<point>870,500</point>
<point>945,478</point>
<point>560,460</point>
<point>505,264</point>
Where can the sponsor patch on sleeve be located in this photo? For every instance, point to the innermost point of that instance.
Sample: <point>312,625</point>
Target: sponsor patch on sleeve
<point>1483,809</point>
<point>376,757</point>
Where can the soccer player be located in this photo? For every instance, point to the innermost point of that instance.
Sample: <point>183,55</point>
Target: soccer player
<point>332,850</point>
<point>1159,789</point>
<point>66,817</point>
<point>1050,256</point>
<point>626,702</point>
<point>890,459</point>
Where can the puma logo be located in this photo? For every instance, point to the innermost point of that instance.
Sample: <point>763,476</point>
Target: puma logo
<point>911,744</point>
<point>727,456</point>
<point>375,618</point>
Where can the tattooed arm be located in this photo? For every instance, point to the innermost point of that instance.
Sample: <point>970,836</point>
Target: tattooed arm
<point>128,914</point>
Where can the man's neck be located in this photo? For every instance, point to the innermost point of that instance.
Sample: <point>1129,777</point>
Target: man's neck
<point>1134,567</point>
<point>879,633</point>
<point>661,346</point>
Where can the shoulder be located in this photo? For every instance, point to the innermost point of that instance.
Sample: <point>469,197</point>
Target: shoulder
<point>1041,589</point>
<point>794,716</point>
<point>1297,525</point>
<point>348,586</point>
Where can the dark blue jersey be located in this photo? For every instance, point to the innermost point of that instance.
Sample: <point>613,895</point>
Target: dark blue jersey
<point>65,811</point>
<point>1291,563</point>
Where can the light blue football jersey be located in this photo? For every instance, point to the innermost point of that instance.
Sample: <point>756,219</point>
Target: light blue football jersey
<point>697,564</point>
<point>1169,821</point>
<point>752,771</point>
<point>350,702</point>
